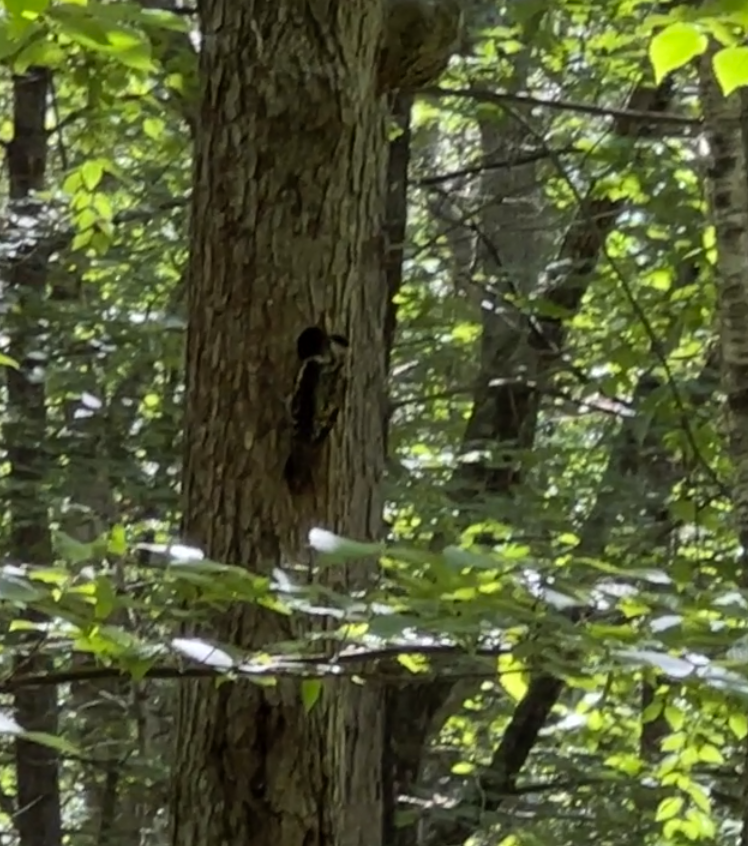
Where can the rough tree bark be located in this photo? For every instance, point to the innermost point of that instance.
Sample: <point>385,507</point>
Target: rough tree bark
<point>286,230</point>
<point>38,817</point>
<point>726,123</point>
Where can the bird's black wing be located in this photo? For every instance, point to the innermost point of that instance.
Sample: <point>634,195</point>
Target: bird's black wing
<point>304,401</point>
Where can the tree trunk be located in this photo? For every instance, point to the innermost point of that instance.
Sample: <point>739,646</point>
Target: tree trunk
<point>38,812</point>
<point>726,120</point>
<point>726,123</point>
<point>288,192</point>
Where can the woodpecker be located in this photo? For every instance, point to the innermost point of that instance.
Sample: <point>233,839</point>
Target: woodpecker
<point>318,396</point>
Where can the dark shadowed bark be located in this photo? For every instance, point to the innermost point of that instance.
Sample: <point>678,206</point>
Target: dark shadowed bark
<point>37,795</point>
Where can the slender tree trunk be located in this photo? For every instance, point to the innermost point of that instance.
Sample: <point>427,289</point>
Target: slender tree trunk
<point>38,818</point>
<point>286,230</point>
<point>726,122</point>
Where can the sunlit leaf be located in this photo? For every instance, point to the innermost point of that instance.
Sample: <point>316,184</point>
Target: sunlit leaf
<point>674,47</point>
<point>91,173</point>
<point>738,723</point>
<point>513,676</point>
<point>675,717</point>
<point>463,768</point>
<point>29,9</point>
<point>668,808</point>
<point>414,663</point>
<point>709,754</point>
<point>117,540</point>
<point>7,361</point>
<point>731,68</point>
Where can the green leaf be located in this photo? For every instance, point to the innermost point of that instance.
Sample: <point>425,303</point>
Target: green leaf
<point>310,693</point>
<point>7,361</point>
<point>103,206</point>
<point>675,717</point>
<point>14,587</point>
<point>669,808</point>
<point>78,25</point>
<point>117,543</point>
<point>123,44</point>
<point>39,51</point>
<point>698,795</point>
<point>513,676</point>
<point>709,754</point>
<point>154,128</point>
<point>738,723</point>
<point>53,741</point>
<point>11,42</point>
<point>463,558</point>
<point>731,68</point>
<point>106,598</point>
<point>673,742</point>
<point>71,550</point>
<point>652,711</point>
<point>335,548</point>
<point>163,19</point>
<point>675,46</point>
<point>28,9</point>
<point>630,764</point>
<point>414,663</point>
<point>137,58</point>
<point>463,768</point>
<point>82,240</point>
<point>91,173</point>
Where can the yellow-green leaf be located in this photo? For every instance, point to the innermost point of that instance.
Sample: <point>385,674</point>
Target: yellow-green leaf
<point>7,361</point>
<point>731,68</point>
<point>669,808</point>
<point>675,717</point>
<point>675,46</point>
<point>513,676</point>
<point>463,768</point>
<point>710,754</point>
<point>91,173</point>
<point>738,723</point>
